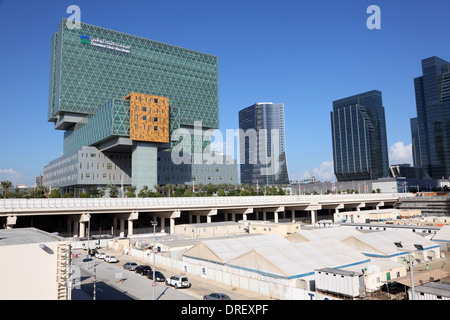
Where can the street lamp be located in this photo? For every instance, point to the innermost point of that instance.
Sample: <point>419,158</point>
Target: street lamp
<point>154,224</point>
<point>419,247</point>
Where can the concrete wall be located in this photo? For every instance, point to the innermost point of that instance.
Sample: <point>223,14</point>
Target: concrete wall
<point>28,272</point>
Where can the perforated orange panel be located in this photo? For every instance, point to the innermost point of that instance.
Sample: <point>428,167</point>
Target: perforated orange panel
<point>149,117</point>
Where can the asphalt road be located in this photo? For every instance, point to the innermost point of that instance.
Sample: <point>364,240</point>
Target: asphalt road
<point>136,287</point>
<point>112,282</point>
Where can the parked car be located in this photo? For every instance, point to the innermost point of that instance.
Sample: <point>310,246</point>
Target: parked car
<point>143,269</point>
<point>158,275</point>
<point>101,255</point>
<point>111,259</point>
<point>178,282</point>
<point>216,296</point>
<point>130,266</point>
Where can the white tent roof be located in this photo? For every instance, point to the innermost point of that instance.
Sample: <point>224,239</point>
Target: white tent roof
<point>297,260</point>
<point>223,250</point>
<point>442,235</point>
<point>338,233</point>
<point>381,243</point>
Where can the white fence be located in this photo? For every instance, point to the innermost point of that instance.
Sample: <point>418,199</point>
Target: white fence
<point>264,288</point>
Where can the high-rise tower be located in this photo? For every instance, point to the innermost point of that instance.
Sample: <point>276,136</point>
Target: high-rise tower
<point>358,130</point>
<point>431,129</point>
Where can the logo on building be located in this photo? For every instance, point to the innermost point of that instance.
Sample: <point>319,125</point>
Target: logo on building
<point>84,39</point>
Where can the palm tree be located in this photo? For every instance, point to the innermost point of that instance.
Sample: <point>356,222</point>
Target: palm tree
<point>5,185</point>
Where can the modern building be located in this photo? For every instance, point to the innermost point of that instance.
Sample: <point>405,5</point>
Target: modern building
<point>358,128</point>
<point>125,103</point>
<point>430,131</point>
<point>262,144</point>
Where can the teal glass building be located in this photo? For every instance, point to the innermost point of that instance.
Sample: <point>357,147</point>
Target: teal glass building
<point>93,70</point>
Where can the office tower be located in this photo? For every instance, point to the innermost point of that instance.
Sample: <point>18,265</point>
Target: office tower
<point>119,98</point>
<point>358,130</point>
<point>430,131</point>
<point>262,144</point>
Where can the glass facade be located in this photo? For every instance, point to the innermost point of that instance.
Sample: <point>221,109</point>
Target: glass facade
<point>359,137</point>
<point>254,145</point>
<point>92,65</point>
<point>431,131</point>
<point>94,70</point>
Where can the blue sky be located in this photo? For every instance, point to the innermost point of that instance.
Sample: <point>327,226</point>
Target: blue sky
<point>302,53</point>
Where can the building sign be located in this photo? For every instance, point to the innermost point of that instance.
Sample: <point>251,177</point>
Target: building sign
<point>105,44</point>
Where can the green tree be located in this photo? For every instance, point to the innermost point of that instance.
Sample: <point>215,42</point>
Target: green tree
<point>55,194</point>
<point>130,191</point>
<point>6,184</point>
<point>113,190</point>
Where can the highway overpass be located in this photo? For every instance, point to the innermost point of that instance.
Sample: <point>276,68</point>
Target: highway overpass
<point>77,212</point>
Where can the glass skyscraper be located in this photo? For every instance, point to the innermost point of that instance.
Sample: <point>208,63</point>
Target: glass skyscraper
<point>125,95</point>
<point>358,130</point>
<point>430,131</point>
<point>262,145</point>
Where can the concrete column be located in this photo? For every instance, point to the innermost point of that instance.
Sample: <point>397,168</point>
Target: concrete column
<point>257,215</point>
<point>114,227</point>
<point>130,227</point>
<point>313,216</point>
<point>264,215</point>
<point>122,228</point>
<point>208,219</point>
<point>293,216</point>
<point>163,224</point>
<point>275,216</point>
<point>190,217</point>
<point>172,225</point>
<point>244,216</point>
<point>198,218</point>
<point>75,228</point>
<point>225,216</point>
<point>82,229</point>
<point>233,217</point>
<point>69,227</point>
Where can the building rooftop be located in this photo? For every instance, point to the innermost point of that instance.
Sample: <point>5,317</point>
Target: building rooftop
<point>10,237</point>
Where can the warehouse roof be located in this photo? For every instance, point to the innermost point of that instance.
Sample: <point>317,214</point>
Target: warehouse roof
<point>442,235</point>
<point>19,236</point>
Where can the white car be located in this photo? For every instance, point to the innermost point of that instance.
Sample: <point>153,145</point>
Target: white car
<point>101,255</point>
<point>178,282</point>
<point>111,259</point>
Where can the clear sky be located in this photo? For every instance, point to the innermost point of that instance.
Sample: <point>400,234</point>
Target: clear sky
<point>304,54</point>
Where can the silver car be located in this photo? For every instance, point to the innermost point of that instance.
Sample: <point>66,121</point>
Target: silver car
<point>130,266</point>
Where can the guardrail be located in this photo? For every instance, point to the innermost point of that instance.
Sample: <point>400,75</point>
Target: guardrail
<point>215,201</point>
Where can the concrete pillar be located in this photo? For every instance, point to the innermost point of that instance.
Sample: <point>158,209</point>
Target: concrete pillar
<point>82,229</point>
<point>75,228</point>
<point>257,215</point>
<point>172,225</point>
<point>122,228</point>
<point>208,219</point>
<point>69,227</point>
<point>190,218</point>
<point>163,224</point>
<point>275,216</point>
<point>313,216</point>
<point>244,217</point>
<point>198,218</point>
<point>130,227</point>
<point>293,216</point>
<point>114,227</point>
<point>225,216</point>
<point>233,217</point>
<point>264,215</point>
